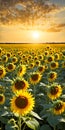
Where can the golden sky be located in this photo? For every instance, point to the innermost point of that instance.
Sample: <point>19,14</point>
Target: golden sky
<point>27,22</point>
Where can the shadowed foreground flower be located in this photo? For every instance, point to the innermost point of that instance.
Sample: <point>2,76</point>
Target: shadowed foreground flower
<point>2,72</point>
<point>52,76</point>
<point>59,107</point>
<point>20,84</point>
<point>22,103</point>
<point>2,99</point>
<point>54,91</point>
<point>35,78</point>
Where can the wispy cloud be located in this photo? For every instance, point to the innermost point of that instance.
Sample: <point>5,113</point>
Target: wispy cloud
<point>56,28</point>
<point>17,10</point>
<point>31,12</point>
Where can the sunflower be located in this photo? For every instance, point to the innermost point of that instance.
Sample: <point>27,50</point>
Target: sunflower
<point>63,64</point>
<point>2,99</point>
<point>4,58</point>
<point>56,56</point>
<point>52,76</point>
<point>50,58</point>
<point>54,65</point>
<point>14,59</point>
<point>35,77</point>
<point>22,103</point>
<point>46,66</point>
<point>46,53</point>
<point>10,67</point>
<point>37,62</point>
<point>8,54</point>
<point>2,89</point>
<point>0,59</point>
<point>35,58</point>
<point>31,65</point>
<point>40,57</point>
<point>0,50</point>
<point>59,107</point>
<point>41,69</point>
<point>2,72</point>
<point>20,84</point>
<point>21,70</point>
<point>54,91</point>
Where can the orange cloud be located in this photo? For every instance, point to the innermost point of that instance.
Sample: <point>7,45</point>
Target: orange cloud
<point>56,28</point>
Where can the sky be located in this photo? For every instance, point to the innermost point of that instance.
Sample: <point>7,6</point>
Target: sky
<point>32,21</point>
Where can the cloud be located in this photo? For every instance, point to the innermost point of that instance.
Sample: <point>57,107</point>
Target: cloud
<point>28,12</point>
<point>56,28</point>
<point>20,10</point>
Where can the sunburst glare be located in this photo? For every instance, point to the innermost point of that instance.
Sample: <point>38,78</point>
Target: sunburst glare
<point>36,34</point>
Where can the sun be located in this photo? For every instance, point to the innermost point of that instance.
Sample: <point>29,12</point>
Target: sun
<point>35,34</point>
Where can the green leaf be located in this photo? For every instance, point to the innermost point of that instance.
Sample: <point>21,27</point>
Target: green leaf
<point>53,120</point>
<point>45,127</point>
<point>5,113</point>
<point>33,124</point>
<point>9,127</point>
<point>35,115</point>
<point>4,120</point>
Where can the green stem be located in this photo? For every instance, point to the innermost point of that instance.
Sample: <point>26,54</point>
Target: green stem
<point>24,127</point>
<point>19,122</point>
<point>54,128</point>
<point>34,90</point>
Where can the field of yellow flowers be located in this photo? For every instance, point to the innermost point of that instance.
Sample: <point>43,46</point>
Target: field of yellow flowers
<point>32,86</point>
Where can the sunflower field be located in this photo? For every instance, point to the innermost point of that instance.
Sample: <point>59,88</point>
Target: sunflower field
<point>32,86</point>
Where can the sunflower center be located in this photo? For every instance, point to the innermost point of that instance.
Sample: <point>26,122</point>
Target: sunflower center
<point>40,68</point>
<point>64,63</point>
<point>20,70</point>
<point>46,53</point>
<point>14,59</point>
<point>52,76</point>
<point>0,51</point>
<point>40,57</point>
<point>35,77</point>
<point>1,71</point>
<point>54,90</point>
<point>10,66</point>
<point>37,63</point>
<point>19,85</point>
<point>21,102</point>
<point>1,98</point>
<point>56,56</point>
<point>31,65</point>
<point>53,64</point>
<point>8,55</point>
<point>50,59</point>
<point>4,58</point>
<point>58,106</point>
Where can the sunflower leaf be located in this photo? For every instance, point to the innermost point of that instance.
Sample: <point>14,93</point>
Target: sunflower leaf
<point>35,115</point>
<point>45,127</point>
<point>33,124</point>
